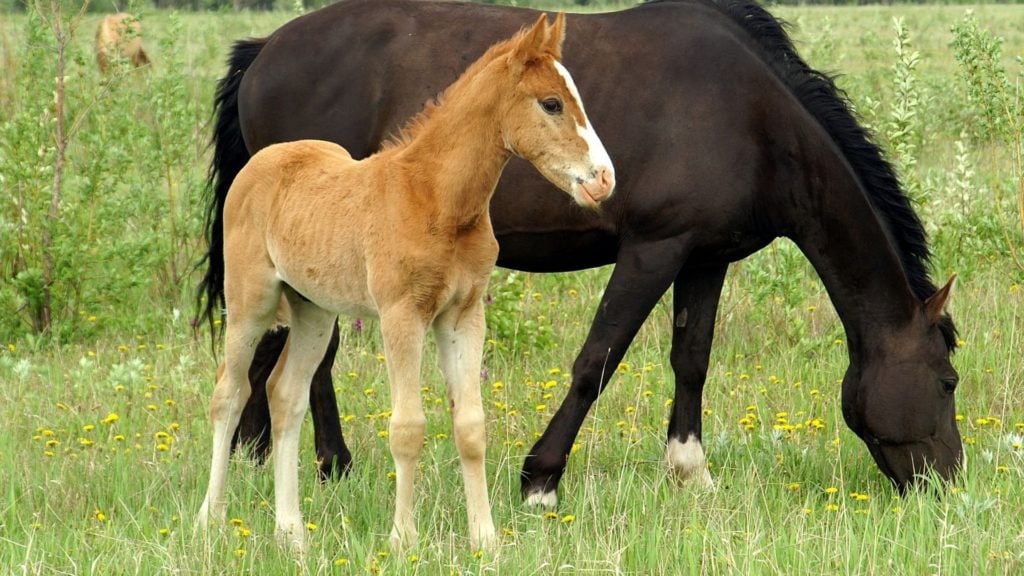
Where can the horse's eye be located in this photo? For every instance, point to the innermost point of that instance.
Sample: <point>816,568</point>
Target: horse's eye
<point>949,384</point>
<point>551,106</point>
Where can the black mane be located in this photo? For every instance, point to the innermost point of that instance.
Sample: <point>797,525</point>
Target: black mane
<point>830,107</point>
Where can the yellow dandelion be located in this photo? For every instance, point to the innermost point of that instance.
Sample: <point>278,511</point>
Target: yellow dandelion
<point>568,518</point>
<point>831,507</point>
<point>793,486</point>
<point>236,522</point>
<point>311,526</point>
<point>163,532</point>
<point>413,559</point>
<point>240,552</point>
<point>550,515</point>
<point>99,515</point>
<point>341,561</point>
<point>831,490</point>
<point>110,419</point>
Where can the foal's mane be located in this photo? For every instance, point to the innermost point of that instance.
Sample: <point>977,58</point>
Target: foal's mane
<point>829,105</point>
<point>412,127</point>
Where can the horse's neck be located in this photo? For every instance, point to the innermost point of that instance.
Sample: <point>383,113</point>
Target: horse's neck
<point>456,158</point>
<point>846,243</point>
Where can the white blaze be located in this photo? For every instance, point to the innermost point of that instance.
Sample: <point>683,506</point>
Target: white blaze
<point>598,155</point>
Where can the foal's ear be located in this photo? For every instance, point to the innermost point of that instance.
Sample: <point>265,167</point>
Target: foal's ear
<point>557,36</point>
<point>534,41</point>
<point>935,305</point>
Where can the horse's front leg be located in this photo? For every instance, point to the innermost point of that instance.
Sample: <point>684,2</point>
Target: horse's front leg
<point>459,333</point>
<point>403,329</point>
<point>643,272</point>
<point>695,304</point>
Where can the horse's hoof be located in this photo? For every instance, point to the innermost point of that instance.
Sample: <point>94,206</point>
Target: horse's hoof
<point>541,499</point>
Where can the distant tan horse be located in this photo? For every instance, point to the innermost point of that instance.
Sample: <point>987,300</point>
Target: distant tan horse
<point>405,235</point>
<point>119,37</point>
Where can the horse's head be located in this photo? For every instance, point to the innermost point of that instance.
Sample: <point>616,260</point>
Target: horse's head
<point>545,122</point>
<point>899,399</point>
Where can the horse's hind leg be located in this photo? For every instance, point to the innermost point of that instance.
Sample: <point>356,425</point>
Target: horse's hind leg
<point>695,304</point>
<point>308,338</point>
<point>460,338</point>
<point>331,451</point>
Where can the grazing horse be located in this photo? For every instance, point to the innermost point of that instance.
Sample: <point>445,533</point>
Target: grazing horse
<point>405,235</point>
<point>119,37</point>
<point>723,139</point>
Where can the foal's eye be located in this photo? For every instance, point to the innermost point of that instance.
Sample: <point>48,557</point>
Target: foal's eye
<point>949,384</point>
<point>551,106</point>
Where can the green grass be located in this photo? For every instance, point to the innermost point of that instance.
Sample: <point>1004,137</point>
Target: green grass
<point>83,492</point>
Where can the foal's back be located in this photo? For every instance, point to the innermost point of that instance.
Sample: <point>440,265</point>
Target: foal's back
<point>317,210</point>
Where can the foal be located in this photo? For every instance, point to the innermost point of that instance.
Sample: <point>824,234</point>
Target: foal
<point>406,235</point>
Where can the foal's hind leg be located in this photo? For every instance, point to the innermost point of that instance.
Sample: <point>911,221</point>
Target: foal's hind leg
<point>460,339</point>
<point>243,331</point>
<point>311,329</point>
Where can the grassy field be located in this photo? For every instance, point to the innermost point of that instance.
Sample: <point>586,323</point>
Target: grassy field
<point>104,443</point>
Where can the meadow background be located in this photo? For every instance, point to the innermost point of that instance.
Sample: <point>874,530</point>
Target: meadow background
<point>104,438</point>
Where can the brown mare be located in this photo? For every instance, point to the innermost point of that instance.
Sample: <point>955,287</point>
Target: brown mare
<point>404,234</point>
<point>119,37</point>
<point>723,139</point>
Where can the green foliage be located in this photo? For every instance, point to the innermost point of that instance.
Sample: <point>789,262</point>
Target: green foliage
<point>509,323</point>
<point>128,229</point>
<point>105,450</point>
<point>995,115</point>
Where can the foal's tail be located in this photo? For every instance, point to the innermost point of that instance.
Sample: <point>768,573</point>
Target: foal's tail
<point>229,156</point>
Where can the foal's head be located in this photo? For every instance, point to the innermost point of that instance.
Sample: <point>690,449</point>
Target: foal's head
<point>544,121</point>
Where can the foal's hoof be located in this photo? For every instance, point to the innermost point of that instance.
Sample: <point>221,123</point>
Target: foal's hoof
<point>403,540</point>
<point>486,540</point>
<point>292,538</point>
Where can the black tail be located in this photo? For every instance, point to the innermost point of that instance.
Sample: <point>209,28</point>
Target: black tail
<point>829,106</point>
<point>229,156</point>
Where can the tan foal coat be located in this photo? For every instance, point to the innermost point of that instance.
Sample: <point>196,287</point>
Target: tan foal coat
<point>404,235</point>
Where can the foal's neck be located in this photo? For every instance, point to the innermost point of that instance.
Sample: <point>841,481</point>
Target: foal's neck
<point>457,155</point>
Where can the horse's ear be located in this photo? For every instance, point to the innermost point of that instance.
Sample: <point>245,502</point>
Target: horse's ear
<point>557,36</point>
<point>935,305</point>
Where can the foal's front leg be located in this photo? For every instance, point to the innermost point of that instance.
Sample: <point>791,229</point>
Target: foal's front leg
<point>460,339</point>
<point>403,329</point>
